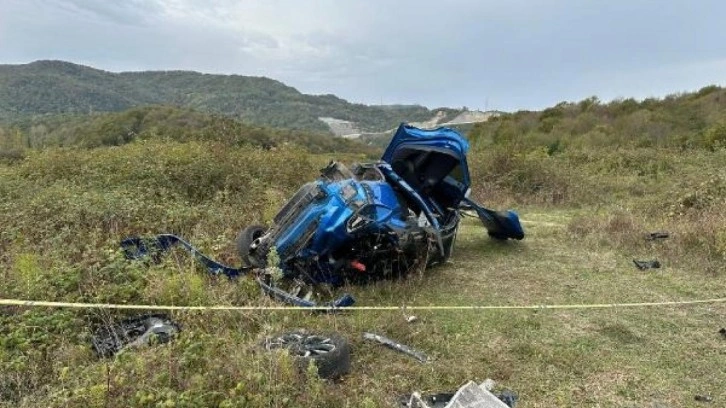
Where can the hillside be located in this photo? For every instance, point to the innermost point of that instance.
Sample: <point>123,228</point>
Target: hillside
<point>159,123</point>
<point>54,87</point>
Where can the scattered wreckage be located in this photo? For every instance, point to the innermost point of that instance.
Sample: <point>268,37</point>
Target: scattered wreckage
<point>370,221</point>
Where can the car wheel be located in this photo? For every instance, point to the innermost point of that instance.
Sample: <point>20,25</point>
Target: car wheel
<point>251,257</point>
<point>330,352</point>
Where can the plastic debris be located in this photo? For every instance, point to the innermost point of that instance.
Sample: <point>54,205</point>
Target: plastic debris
<point>409,318</point>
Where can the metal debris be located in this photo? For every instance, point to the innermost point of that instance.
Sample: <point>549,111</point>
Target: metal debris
<point>396,346</point>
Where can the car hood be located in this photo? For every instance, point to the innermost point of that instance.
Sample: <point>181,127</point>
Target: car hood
<point>441,138</point>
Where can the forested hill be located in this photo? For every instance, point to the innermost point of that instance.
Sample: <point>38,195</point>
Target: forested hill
<point>55,87</point>
<point>683,120</point>
<point>160,123</point>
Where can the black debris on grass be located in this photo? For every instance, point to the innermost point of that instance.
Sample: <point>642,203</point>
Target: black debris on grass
<point>703,398</point>
<point>652,236</point>
<point>643,265</point>
<point>508,397</point>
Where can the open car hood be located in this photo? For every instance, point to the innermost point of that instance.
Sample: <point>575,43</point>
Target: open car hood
<point>421,155</point>
<point>442,137</point>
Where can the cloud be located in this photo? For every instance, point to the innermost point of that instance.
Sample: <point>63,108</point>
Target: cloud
<point>123,13</point>
<point>514,54</point>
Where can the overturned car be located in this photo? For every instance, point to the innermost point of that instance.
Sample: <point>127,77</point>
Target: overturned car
<point>377,219</point>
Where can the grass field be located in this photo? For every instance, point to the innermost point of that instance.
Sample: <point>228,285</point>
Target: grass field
<point>586,217</point>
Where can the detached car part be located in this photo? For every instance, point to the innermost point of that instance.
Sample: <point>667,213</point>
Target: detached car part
<point>421,357</point>
<point>111,338</point>
<point>329,352</point>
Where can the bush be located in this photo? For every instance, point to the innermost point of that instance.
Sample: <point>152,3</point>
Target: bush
<point>715,136</point>
<point>532,177</point>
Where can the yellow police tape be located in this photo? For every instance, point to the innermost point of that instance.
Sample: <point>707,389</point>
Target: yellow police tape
<point>37,303</point>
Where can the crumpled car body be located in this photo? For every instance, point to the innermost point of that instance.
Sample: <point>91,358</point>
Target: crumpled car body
<point>379,219</point>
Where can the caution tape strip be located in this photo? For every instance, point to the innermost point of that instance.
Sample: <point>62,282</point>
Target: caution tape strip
<point>71,305</point>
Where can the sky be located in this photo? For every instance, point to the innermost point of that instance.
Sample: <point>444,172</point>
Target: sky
<point>505,55</point>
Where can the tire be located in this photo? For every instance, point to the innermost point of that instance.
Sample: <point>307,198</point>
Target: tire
<point>329,352</point>
<point>245,239</point>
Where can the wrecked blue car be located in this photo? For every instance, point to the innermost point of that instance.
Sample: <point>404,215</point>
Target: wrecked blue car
<point>369,221</point>
<point>377,219</point>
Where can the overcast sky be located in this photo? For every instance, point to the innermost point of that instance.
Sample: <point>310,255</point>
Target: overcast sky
<point>504,54</point>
